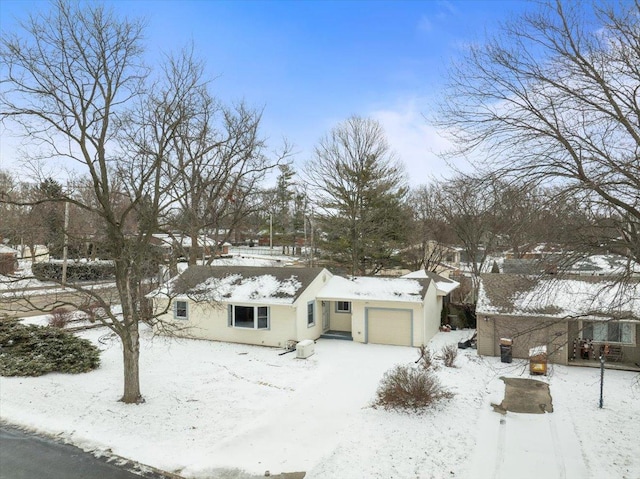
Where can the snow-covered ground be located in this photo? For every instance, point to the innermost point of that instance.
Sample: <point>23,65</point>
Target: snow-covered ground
<point>23,277</point>
<point>213,406</point>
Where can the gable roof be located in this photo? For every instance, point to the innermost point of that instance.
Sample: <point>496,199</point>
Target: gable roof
<point>444,285</point>
<point>373,288</point>
<point>243,283</point>
<point>586,297</point>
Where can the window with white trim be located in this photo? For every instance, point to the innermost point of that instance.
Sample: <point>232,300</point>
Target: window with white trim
<point>249,317</point>
<point>180,310</point>
<point>608,331</point>
<point>311,316</point>
<point>343,307</point>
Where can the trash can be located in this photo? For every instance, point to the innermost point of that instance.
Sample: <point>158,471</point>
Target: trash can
<point>506,352</point>
<point>538,360</point>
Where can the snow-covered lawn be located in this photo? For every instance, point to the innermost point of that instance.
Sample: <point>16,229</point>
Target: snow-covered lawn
<point>213,406</point>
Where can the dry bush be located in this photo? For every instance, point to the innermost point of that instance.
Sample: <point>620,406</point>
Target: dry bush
<point>426,359</point>
<point>60,317</point>
<point>449,355</point>
<point>406,387</point>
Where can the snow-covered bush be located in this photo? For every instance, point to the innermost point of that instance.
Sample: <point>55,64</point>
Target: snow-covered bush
<point>449,355</point>
<point>407,387</point>
<point>36,350</point>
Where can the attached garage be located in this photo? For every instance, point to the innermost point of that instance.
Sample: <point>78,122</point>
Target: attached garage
<point>389,326</point>
<point>398,311</point>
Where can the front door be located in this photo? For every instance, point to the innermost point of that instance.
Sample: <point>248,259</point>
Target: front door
<point>325,315</point>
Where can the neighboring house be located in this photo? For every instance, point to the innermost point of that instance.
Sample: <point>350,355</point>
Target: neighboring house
<point>182,244</point>
<point>275,306</point>
<point>8,260</point>
<point>39,255</point>
<point>567,315</point>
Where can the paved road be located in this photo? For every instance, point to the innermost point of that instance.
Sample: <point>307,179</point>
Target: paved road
<point>28,456</point>
<point>30,302</point>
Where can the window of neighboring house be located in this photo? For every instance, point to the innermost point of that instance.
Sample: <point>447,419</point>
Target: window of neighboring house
<point>343,307</point>
<point>180,310</point>
<point>608,331</point>
<point>249,317</point>
<point>311,317</point>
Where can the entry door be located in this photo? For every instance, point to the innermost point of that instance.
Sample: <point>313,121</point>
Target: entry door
<point>325,315</point>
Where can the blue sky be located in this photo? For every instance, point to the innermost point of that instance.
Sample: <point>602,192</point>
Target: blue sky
<point>312,64</point>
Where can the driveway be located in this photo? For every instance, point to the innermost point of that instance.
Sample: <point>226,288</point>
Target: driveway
<point>529,444</point>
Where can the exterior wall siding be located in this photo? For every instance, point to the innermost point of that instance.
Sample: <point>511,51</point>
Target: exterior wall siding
<point>526,333</point>
<point>339,321</point>
<point>209,321</point>
<point>431,314</point>
<point>302,327</point>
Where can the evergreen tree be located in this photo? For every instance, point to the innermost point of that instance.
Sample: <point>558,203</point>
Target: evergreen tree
<point>360,190</point>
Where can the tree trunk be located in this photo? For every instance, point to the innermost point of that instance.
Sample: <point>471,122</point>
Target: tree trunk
<point>131,354</point>
<point>193,251</point>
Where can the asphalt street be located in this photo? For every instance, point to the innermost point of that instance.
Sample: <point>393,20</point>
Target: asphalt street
<point>27,456</point>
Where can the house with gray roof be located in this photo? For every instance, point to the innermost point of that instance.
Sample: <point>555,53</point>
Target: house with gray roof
<point>280,305</point>
<point>577,318</point>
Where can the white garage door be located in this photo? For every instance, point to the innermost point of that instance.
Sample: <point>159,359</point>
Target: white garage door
<point>389,326</point>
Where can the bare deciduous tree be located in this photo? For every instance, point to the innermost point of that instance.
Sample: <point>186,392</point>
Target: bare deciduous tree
<point>217,158</point>
<point>555,98</point>
<point>467,205</point>
<point>431,237</point>
<point>70,81</point>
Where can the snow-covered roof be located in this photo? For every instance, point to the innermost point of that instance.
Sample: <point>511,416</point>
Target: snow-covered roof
<point>609,264</point>
<point>4,249</point>
<point>586,297</point>
<point>184,241</point>
<point>443,285</point>
<point>242,284</point>
<point>374,289</point>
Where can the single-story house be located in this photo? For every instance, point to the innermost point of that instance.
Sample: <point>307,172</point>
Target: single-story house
<point>182,244</point>
<point>277,306</point>
<point>576,318</point>
<point>8,260</point>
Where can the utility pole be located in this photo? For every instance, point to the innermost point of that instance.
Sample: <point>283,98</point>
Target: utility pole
<point>270,230</point>
<point>66,243</point>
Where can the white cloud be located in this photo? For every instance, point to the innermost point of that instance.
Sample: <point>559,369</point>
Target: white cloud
<point>416,142</point>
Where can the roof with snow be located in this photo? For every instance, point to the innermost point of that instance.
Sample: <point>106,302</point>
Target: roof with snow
<point>4,249</point>
<point>585,297</point>
<point>168,240</point>
<point>444,285</point>
<point>374,289</point>
<point>243,284</point>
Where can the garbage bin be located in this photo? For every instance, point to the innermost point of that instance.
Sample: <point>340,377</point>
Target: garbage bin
<point>506,352</point>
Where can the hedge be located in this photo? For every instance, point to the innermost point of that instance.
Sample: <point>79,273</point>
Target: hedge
<point>91,271</point>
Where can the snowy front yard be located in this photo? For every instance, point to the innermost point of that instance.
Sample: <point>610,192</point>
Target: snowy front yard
<point>214,406</point>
